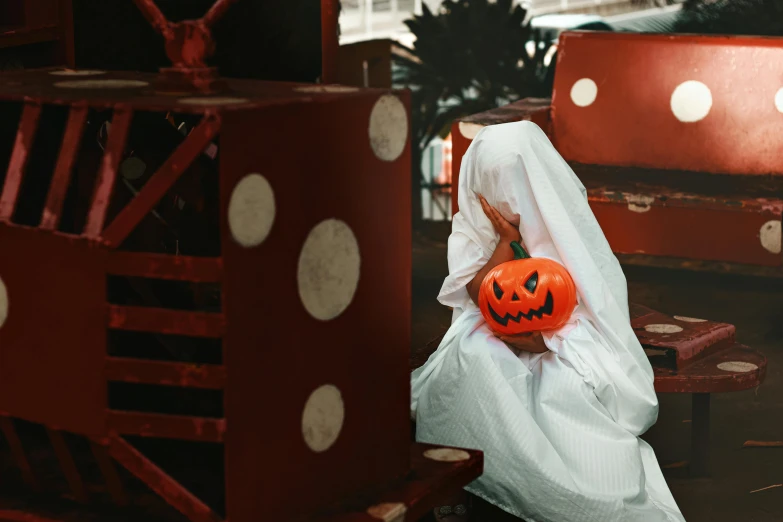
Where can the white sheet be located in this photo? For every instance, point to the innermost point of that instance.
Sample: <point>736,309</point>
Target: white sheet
<point>559,430</point>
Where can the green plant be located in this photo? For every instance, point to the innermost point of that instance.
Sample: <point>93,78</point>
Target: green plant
<point>739,17</point>
<point>469,57</point>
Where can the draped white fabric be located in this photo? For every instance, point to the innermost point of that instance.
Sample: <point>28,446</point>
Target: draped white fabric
<point>559,430</point>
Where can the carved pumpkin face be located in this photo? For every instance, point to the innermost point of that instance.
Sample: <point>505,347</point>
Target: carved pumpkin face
<point>527,295</point>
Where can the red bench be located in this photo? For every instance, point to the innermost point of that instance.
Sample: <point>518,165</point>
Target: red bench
<point>654,182</point>
<point>663,131</point>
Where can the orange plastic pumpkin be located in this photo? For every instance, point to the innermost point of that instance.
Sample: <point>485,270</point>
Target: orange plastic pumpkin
<point>526,295</point>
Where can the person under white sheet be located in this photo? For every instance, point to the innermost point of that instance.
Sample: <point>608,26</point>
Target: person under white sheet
<point>560,428</point>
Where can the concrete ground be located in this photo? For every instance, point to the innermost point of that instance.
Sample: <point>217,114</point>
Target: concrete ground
<point>755,306</point>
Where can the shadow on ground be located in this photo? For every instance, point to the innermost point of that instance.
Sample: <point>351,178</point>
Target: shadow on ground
<point>755,306</point>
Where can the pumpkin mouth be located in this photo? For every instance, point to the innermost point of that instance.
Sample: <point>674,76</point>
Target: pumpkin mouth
<point>546,309</point>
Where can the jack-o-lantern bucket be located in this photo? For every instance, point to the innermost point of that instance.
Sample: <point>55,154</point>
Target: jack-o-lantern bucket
<point>527,294</point>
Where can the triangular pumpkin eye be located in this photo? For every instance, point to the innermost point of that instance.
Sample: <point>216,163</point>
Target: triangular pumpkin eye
<point>515,297</point>
<point>497,289</point>
<point>531,283</point>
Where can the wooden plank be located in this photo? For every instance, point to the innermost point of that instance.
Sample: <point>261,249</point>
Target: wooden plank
<point>72,139</point>
<point>163,266</point>
<point>165,321</point>
<point>100,452</point>
<point>158,425</point>
<point>18,452</point>
<point>161,483</point>
<point>28,124</point>
<point>115,147</point>
<point>206,376</point>
<point>429,483</point>
<point>68,465</point>
<point>160,182</point>
<point>734,368</point>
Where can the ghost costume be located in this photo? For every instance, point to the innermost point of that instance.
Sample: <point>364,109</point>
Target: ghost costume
<point>560,430</point>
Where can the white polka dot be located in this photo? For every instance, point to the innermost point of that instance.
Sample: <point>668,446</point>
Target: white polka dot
<point>663,328</point>
<point>770,235</point>
<point>779,100</point>
<point>3,303</point>
<point>323,417</point>
<point>329,267</point>
<point>691,101</point>
<point>584,92</point>
<point>251,210</point>
<point>447,454</point>
<point>132,168</point>
<point>388,128</point>
<point>77,72</point>
<point>470,130</point>
<point>326,88</point>
<point>101,84</point>
<point>737,366</point>
<point>689,319</point>
<point>217,100</point>
<point>388,512</point>
<point>639,202</point>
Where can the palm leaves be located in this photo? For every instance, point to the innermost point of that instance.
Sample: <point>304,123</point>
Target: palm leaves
<point>469,57</point>
<point>746,17</point>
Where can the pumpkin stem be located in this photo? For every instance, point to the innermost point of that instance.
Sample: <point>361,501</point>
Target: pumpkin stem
<point>519,251</point>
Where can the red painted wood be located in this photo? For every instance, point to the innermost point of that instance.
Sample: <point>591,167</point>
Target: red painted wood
<point>19,156</point>
<point>165,321</point>
<point>217,11</point>
<point>67,465</point>
<point>459,146</point>
<point>154,15</point>
<point>162,266</point>
<point>429,483</point>
<point>696,339</point>
<point>100,452</point>
<point>9,515</point>
<point>330,43</point>
<point>53,343</point>
<point>115,146</point>
<point>206,376</point>
<point>631,122</point>
<point>18,452</point>
<point>367,457</point>
<point>72,139</point>
<point>714,232</point>
<point>704,376</point>
<point>165,486</point>
<point>339,162</point>
<point>162,181</point>
<point>163,426</point>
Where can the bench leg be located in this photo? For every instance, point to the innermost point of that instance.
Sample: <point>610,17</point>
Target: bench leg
<point>700,435</point>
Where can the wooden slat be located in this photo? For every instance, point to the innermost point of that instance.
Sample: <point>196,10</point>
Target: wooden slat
<point>115,146</point>
<point>18,453</point>
<point>28,124</point>
<point>162,266</point>
<point>161,483</point>
<point>165,321</point>
<point>62,172</point>
<point>162,426</point>
<point>207,376</point>
<point>68,465</point>
<point>162,181</point>
<point>113,481</point>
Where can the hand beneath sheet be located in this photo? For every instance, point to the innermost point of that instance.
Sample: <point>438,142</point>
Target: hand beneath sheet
<point>507,231</point>
<point>532,342</point>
